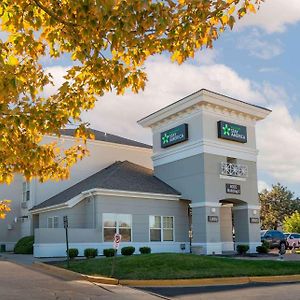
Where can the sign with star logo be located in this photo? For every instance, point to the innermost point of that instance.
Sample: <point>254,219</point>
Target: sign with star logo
<point>232,132</point>
<point>174,136</point>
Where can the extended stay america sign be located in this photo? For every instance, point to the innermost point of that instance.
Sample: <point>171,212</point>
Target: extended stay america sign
<point>174,136</point>
<point>232,132</point>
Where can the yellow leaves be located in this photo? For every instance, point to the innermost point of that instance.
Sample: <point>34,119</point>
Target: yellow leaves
<point>224,19</point>
<point>4,208</point>
<point>12,60</point>
<point>177,56</point>
<point>231,10</point>
<point>251,8</point>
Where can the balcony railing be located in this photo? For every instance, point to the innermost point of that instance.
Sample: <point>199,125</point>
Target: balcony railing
<point>235,170</point>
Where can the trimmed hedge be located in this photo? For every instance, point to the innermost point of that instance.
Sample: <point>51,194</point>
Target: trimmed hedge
<point>242,249</point>
<point>127,251</point>
<point>73,252</point>
<point>24,245</point>
<point>262,249</point>
<point>145,250</point>
<point>109,252</point>
<point>90,252</point>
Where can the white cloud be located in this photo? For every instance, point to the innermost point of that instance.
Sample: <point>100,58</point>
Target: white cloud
<point>278,139</point>
<point>262,185</point>
<point>167,83</point>
<point>258,47</point>
<point>273,15</point>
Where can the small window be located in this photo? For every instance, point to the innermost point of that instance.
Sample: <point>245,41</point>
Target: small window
<point>53,222</point>
<point>26,191</point>
<point>161,228</point>
<point>117,223</point>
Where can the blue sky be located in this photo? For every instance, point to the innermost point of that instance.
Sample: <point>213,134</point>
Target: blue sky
<point>257,62</point>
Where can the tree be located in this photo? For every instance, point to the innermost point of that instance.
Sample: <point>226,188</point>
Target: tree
<point>276,205</point>
<point>292,223</point>
<point>109,41</point>
<point>4,208</point>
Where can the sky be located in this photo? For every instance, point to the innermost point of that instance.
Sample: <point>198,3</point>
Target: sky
<point>257,62</point>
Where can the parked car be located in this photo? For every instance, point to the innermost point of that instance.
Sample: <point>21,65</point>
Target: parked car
<point>275,239</point>
<point>293,240</point>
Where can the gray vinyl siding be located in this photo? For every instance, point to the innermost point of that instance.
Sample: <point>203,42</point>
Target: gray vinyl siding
<point>81,215</point>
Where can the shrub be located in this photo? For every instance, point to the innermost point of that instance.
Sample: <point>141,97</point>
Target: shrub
<point>90,252</point>
<point>242,249</point>
<point>73,252</point>
<point>145,250</point>
<point>262,249</point>
<point>109,252</point>
<point>127,250</point>
<point>24,245</point>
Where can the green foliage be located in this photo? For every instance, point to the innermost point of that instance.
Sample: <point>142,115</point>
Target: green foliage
<point>145,250</point>
<point>242,249</point>
<point>276,205</point>
<point>109,252</point>
<point>73,252</point>
<point>292,223</point>
<point>24,245</point>
<point>90,252</point>
<point>127,251</point>
<point>262,249</point>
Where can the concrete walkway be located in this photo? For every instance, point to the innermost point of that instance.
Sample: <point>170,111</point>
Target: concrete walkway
<point>25,282</point>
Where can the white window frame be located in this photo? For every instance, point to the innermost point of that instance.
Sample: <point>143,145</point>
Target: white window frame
<point>162,229</point>
<point>25,191</point>
<point>53,222</point>
<point>118,227</point>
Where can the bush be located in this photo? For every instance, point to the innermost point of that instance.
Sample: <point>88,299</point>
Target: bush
<point>262,249</point>
<point>109,252</point>
<point>242,249</point>
<point>24,245</point>
<point>127,250</point>
<point>73,252</point>
<point>90,252</point>
<point>145,250</point>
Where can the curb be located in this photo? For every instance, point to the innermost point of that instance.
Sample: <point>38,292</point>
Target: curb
<point>70,275</point>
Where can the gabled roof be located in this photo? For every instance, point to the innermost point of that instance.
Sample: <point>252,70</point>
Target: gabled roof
<point>107,137</point>
<point>120,176</point>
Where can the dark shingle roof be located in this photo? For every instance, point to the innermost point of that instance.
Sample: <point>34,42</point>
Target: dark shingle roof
<point>107,137</point>
<point>124,176</point>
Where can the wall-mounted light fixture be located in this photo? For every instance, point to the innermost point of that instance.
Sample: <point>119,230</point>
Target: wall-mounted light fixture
<point>254,212</point>
<point>213,210</point>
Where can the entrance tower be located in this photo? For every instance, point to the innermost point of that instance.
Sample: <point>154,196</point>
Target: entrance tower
<point>204,146</point>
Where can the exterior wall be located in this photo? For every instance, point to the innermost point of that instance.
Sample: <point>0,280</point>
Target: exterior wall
<point>102,154</point>
<point>10,231</point>
<point>51,241</point>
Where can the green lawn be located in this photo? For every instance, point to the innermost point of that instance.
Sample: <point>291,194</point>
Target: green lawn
<point>178,266</point>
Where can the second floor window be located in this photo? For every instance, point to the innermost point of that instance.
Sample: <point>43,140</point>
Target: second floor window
<point>26,191</point>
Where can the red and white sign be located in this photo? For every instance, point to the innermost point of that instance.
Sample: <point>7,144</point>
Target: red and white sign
<point>117,240</point>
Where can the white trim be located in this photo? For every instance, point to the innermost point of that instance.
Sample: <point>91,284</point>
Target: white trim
<point>98,142</point>
<point>204,146</point>
<point>232,178</point>
<point>106,192</point>
<point>205,204</point>
<point>241,207</point>
<point>200,98</point>
<point>162,229</point>
<point>59,249</point>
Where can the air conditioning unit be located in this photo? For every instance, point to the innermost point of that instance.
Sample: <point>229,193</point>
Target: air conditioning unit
<point>24,205</point>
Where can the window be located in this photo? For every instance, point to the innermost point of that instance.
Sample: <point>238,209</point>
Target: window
<point>26,191</point>
<point>161,228</point>
<point>53,222</point>
<point>116,223</point>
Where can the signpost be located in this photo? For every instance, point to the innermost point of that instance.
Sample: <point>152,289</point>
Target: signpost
<point>116,244</point>
<point>174,136</point>
<point>232,132</point>
<point>66,225</point>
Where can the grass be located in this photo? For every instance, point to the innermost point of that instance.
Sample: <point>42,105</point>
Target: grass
<point>179,266</point>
